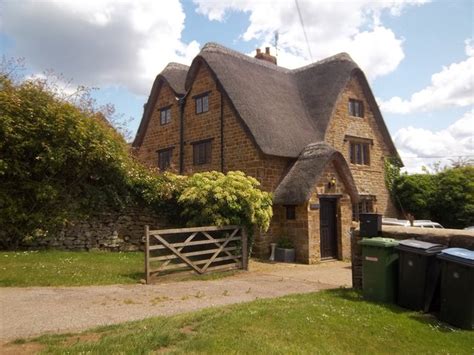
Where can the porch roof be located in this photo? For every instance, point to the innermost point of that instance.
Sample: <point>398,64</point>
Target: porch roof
<point>297,186</point>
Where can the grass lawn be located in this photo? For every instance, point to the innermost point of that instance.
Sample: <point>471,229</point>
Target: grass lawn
<point>80,268</point>
<point>329,322</point>
<point>66,268</point>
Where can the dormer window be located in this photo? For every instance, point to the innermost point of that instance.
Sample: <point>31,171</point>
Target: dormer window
<point>165,115</point>
<point>356,108</point>
<point>202,103</point>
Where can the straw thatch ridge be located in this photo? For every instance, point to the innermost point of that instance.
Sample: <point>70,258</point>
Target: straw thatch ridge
<point>298,185</point>
<point>174,75</point>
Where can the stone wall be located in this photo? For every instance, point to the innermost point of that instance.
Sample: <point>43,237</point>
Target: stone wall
<point>114,231</point>
<point>453,238</point>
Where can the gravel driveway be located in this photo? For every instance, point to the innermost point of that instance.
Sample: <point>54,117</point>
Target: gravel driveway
<point>33,311</point>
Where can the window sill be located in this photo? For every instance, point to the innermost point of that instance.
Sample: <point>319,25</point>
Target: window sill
<point>360,165</point>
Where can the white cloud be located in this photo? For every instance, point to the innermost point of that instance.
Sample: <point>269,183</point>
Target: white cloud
<point>332,27</point>
<point>419,146</point>
<point>453,86</point>
<point>99,43</point>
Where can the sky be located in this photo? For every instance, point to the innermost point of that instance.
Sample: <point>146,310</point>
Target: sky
<point>417,54</point>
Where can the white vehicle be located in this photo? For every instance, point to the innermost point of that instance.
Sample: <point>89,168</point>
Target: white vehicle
<point>420,223</point>
<point>426,224</point>
<point>395,222</point>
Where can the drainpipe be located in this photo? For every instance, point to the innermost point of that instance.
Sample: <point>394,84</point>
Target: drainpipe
<point>181,134</point>
<point>222,131</point>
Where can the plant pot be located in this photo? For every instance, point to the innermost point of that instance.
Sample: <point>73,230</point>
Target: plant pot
<point>285,255</point>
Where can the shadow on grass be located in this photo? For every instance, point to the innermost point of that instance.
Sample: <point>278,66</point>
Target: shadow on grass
<point>428,319</point>
<point>137,276</point>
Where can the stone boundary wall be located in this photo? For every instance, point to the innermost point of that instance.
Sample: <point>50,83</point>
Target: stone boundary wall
<point>113,231</point>
<point>453,238</point>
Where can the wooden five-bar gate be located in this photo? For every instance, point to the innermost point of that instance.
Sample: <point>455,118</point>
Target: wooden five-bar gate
<point>201,249</point>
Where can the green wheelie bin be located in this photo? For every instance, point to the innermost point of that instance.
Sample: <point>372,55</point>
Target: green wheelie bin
<point>457,287</point>
<point>379,269</point>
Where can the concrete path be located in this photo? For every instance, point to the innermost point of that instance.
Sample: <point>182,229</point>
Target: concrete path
<point>27,312</point>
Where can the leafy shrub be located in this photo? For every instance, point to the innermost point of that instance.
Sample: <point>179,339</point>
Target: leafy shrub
<point>56,161</point>
<point>218,199</point>
<point>416,194</point>
<point>285,243</point>
<point>453,205</point>
<point>446,197</point>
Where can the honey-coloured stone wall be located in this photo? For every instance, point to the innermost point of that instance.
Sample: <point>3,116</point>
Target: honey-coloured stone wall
<point>369,178</point>
<point>159,136</point>
<point>206,125</point>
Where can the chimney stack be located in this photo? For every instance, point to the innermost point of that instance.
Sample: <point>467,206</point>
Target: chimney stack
<point>266,56</point>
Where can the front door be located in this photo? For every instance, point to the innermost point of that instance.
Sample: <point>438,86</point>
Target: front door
<point>328,228</point>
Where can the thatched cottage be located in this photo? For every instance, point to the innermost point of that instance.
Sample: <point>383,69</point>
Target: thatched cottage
<point>314,136</point>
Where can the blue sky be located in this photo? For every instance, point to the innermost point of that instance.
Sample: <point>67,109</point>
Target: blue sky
<point>417,54</point>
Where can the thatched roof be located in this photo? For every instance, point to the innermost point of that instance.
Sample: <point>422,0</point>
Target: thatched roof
<point>174,75</point>
<point>284,110</point>
<point>298,185</point>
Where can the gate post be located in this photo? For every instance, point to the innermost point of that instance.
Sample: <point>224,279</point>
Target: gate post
<point>245,250</point>
<point>147,254</point>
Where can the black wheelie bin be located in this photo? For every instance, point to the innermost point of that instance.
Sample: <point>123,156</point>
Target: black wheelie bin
<point>418,273</point>
<point>457,287</point>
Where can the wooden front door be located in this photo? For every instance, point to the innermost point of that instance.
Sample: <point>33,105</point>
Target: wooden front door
<point>328,228</point>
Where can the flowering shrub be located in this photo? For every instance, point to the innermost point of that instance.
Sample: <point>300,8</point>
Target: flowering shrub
<point>218,199</point>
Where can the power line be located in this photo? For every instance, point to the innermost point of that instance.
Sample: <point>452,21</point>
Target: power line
<point>304,30</point>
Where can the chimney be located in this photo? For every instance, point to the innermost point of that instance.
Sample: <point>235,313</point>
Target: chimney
<point>266,56</point>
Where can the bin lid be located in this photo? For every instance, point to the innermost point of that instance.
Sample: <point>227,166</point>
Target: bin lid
<point>420,247</point>
<point>379,242</point>
<point>460,255</point>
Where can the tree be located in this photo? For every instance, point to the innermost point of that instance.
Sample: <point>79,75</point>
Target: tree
<point>57,161</point>
<point>453,203</point>
<point>415,194</point>
<point>446,197</point>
